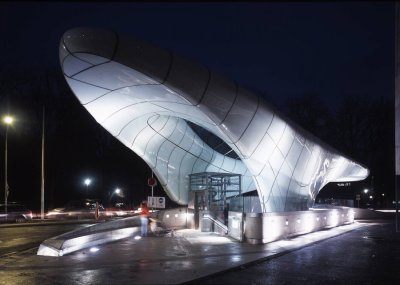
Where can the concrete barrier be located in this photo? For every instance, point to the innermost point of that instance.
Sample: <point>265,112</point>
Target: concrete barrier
<point>90,236</point>
<point>101,233</point>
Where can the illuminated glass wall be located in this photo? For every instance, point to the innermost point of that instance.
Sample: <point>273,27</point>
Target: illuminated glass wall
<point>144,96</point>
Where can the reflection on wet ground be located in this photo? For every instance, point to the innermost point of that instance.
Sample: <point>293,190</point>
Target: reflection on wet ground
<point>336,255</point>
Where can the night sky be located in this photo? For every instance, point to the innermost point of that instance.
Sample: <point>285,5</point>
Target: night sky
<point>278,50</point>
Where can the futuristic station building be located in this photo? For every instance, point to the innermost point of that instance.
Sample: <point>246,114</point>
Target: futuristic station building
<point>155,102</point>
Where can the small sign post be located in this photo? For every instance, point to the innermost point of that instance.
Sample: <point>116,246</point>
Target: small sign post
<point>358,198</point>
<point>156,202</point>
<point>152,182</point>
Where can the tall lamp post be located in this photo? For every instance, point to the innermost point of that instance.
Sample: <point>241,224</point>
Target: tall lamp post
<point>87,183</point>
<point>8,121</point>
<point>118,192</point>
<point>365,197</point>
<point>42,171</point>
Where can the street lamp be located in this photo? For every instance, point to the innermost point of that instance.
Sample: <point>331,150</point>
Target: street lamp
<point>87,183</point>
<point>8,121</point>
<point>365,197</point>
<point>117,192</point>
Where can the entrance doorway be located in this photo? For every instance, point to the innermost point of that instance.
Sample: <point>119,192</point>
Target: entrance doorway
<point>212,192</point>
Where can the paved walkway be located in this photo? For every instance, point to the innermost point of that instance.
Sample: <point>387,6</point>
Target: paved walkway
<point>183,256</point>
<point>367,255</point>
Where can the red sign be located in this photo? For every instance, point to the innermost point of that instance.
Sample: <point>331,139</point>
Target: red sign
<point>152,182</point>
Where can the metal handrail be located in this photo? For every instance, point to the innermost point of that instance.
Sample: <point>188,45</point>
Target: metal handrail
<point>216,222</point>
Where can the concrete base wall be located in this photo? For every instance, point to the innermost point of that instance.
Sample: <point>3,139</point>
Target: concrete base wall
<point>268,227</point>
<point>177,218</point>
<point>250,227</point>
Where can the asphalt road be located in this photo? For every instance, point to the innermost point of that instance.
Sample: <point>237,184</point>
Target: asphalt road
<point>16,238</point>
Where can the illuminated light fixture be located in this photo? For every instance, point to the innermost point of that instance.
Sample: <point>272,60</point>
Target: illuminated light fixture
<point>87,183</point>
<point>176,215</point>
<point>287,222</point>
<point>167,216</point>
<point>8,120</point>
<point>365,191</point>
<point>137,237</point>
<point>94,249</point>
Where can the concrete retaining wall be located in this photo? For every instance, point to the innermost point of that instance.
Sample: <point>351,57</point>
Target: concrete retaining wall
<point>253,228</point>
<point>90,236</point>
<point>101,233</point>
<point>268,227</point>
<point>177,218</point>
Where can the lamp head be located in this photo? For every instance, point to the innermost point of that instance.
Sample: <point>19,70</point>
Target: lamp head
<point>8,120</point>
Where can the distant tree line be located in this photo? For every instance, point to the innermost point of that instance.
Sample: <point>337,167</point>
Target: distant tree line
<point>360,127</point>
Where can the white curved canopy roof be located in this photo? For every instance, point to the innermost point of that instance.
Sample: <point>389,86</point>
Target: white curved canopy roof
<point>144,96</point>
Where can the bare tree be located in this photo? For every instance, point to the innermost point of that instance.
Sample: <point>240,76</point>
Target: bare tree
<point>311,113</point>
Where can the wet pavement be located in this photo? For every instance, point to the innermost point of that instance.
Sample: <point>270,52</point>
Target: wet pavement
<point>365,251</point>
<point>367,255</point>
